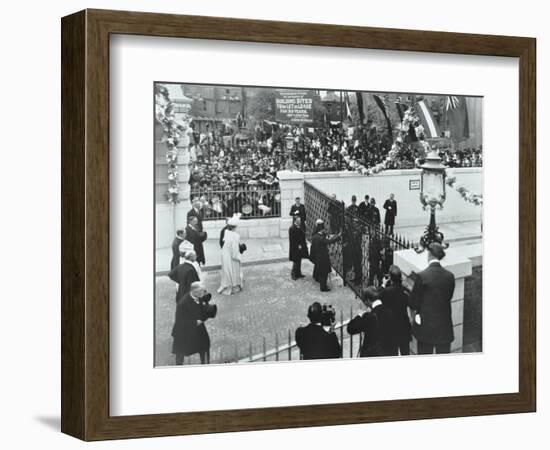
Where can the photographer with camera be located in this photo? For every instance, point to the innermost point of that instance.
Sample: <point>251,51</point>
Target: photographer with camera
<point>318,340</point>
<point>189,331</point>
<point>377,323</point>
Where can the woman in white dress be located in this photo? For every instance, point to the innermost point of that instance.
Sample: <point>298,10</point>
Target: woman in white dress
<point>231,274</point>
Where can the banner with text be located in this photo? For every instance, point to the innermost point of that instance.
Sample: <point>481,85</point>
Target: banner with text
<point>294,106</point>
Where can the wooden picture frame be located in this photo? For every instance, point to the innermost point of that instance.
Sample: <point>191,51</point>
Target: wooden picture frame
<point>85,224</point>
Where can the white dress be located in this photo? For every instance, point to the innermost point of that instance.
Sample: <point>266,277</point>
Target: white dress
<point>231,274</point>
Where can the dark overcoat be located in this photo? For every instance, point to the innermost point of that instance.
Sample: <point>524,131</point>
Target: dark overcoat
<point>198,214</point>
<point>396,298</point>
<point>184,274</point>
<point>175,252</point>
<point>316,343</point>
<point>196,238</point>
<point>190,338</point>
<point>391,212</point>
<point>319,253</point>
<point>297,238</point>
<point>378,327</point>
<point>301,210</point>
<point>431,299</point>
<point>373,215</point>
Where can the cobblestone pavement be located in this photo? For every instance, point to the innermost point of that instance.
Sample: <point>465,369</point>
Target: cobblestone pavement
<point>270,303</point>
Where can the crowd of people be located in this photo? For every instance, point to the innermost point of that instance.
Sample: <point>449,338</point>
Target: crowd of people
<point>233,169</point>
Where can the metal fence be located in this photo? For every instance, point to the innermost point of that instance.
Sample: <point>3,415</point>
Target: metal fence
<point>365,252</point>
<point>284,348</point>
<point>251,201</point>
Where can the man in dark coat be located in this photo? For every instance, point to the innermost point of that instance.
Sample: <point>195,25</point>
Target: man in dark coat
<point>189,332</point>
<point>373,213</point>
<point>390,205</point>
<point>180,236</point>
<point>375,259</point>
<point>351,249</point>
<point>196,237</point>
<point>185,274</point>
<point>300,210</point>
<point>314,340</point>
<point>353,208</point>
<point>364,207</point>
<point>377,324</point>
<point>197,212</point>
<point>297,247</point>
<point>431,300</point>
<point>396,298</point>
<point>319,255</point>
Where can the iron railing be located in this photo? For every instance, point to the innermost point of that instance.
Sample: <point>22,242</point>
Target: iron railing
<point>364,253</point>
<point>251,201</point>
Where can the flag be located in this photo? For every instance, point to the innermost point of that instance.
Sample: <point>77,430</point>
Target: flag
<point>361,106</point>
<point>457,118</point>
<point>348,110</point>
<point>431,130</point>
<point>401,108</point>
<point>382,107</point>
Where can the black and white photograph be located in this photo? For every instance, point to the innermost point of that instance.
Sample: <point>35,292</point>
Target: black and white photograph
<point>302,223</point>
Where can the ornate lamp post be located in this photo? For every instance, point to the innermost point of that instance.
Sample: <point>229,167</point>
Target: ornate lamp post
<point>432,194</point>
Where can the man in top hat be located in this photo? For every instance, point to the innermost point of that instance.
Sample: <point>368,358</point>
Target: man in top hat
<point>297,247</point>
<point>319,255</point>
<point>300,210</point>
<point>431,300</point>
<point>390,205</point>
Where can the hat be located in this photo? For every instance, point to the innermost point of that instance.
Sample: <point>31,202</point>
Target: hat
<point>437,250</point>
<point>234,221</point>
<point>185,246</point>
<point>319,221</point>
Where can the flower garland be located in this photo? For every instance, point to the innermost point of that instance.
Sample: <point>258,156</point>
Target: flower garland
<point>164,112</point>
<point>410,117</point>
<point>464,192</point>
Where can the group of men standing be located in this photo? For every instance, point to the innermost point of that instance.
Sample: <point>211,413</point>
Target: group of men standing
<point>189,332</point>
<point>368,211</point>
<point>386,325</point>
<point>319,251</point>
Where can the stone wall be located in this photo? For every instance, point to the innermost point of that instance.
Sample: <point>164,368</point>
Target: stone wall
<point>344,185</point>
<point>402,183</point>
